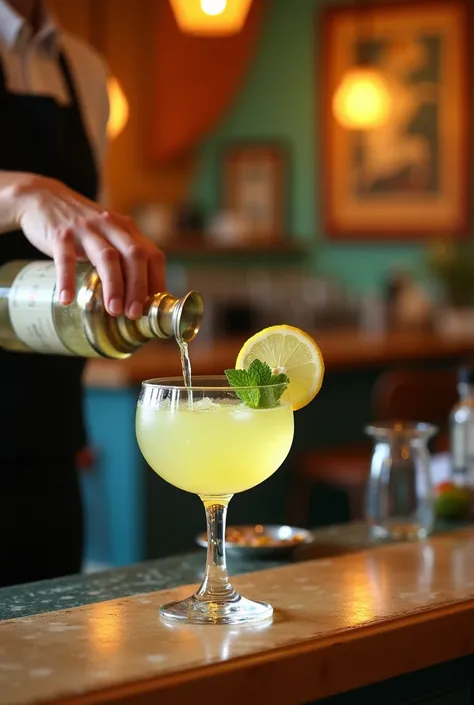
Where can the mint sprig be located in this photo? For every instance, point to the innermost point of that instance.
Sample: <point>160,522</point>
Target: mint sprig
<point>267,387</point>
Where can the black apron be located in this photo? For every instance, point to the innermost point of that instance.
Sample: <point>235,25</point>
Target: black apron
<point>41,419</point>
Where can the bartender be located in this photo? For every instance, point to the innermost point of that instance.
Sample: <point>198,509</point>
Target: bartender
<point>53,119</point>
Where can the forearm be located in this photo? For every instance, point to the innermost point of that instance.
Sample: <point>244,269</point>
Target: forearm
<point>13,186</point>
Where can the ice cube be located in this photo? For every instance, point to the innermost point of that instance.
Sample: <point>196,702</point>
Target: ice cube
<point>243,413</point>
<point>229,401</point>
<point>205,404</point>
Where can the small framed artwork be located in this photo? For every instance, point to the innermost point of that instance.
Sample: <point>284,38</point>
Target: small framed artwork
<point>255,188</point>
<point>406,177</point>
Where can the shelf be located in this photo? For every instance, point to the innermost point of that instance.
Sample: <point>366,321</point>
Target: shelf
<point>196,245</point>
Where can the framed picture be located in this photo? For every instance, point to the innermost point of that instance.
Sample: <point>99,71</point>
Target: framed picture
<point>407,178</point>
<point>255,187</point>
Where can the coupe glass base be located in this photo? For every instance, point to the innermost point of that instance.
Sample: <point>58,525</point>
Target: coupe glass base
<point>238,610</point>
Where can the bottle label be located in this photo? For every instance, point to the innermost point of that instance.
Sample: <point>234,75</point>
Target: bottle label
<point>30,305</point>
<point>458,447</point>
<point>469,440</point>
<point>462,450</point>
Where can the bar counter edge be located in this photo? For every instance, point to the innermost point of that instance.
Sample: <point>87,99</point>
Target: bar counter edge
<point>340,624</point>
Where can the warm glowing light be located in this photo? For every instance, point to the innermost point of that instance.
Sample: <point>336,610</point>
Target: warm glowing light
<point>209,18</point>
<point>213,7</point>
<point>362,101</point>
<point>119,109</point>
<point>365,590</point>
<point>106,628</point>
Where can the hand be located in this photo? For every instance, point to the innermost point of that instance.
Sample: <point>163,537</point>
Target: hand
<point>68,227</point>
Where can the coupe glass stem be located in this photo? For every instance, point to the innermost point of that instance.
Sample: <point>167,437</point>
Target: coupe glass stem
<point>216,585</point>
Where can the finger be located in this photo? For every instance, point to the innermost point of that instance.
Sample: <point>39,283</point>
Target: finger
<point>106,260</point>
<point>64,255</point>
<point>121,232</point>
<point>135,264</point>
<point>155,257</point>
<point>80,254</point>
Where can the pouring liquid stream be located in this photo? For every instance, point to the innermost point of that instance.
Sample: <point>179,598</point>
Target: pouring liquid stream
<point>186,368</point>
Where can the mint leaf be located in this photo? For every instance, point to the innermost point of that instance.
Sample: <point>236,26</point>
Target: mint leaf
<point>270,396</point>
<point>237,378</point>
<point>243,378</point>
<point>262,372</point>
<point>259,374</point>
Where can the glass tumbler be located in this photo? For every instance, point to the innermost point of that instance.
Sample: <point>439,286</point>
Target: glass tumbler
<point>399,501</point>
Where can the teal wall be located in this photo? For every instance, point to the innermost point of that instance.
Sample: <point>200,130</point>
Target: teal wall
<point>279,100</point>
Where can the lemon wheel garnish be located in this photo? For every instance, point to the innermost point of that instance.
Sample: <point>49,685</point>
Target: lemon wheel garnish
<point>289,350</point>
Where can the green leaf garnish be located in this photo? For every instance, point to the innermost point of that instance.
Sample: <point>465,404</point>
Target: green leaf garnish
<point>243,378</point>
<point>259,374</point>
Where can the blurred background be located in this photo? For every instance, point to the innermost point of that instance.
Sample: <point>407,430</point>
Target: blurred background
<point>303,162</point>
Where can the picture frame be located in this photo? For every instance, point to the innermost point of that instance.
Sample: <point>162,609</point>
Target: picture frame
<point>255,187</point>
<point>408,179</point>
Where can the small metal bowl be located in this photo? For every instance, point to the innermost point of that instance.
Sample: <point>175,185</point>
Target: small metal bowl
<point>261,541</point>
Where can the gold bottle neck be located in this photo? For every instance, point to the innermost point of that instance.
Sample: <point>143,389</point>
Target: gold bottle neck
<point>165,316</point>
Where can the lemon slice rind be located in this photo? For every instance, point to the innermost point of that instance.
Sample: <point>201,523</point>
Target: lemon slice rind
<point>292,351</point>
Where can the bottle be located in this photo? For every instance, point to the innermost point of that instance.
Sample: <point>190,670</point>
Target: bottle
<point>33,320</point>
<point>462,430</point>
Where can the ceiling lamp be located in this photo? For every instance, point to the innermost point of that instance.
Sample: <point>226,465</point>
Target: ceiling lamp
<point>119,109</point>
<point>209,18</point>
<point>363,100</point>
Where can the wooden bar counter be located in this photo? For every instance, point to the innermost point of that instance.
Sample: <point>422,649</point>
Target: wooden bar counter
<point>342,350</point>
<point>340,624</point>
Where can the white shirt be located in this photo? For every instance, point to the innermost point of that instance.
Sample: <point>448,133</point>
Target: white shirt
<point>30,65</point>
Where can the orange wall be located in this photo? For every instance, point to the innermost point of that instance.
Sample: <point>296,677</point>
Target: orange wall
<point>123,31</point>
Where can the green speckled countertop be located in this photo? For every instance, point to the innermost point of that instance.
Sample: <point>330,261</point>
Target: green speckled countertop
<point>66,593</point>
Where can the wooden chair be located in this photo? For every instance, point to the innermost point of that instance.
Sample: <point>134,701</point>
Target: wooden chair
<point>403,395</point>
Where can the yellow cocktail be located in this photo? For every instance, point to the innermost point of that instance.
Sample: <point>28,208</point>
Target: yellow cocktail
<point>214,447</point>
<point>224,435</point>
<point>209,440</point>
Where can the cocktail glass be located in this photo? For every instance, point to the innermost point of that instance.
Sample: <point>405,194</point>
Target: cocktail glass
<point>205,440</point>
